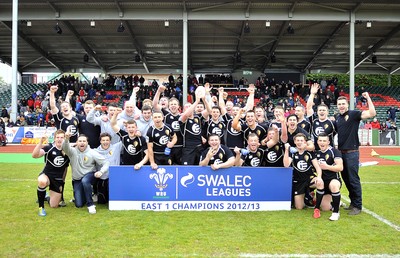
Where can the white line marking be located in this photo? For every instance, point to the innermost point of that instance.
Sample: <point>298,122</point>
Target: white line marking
<point>381,183</point>
<point>321,255</point>
<point>17,179</point>
<point>376,216</point>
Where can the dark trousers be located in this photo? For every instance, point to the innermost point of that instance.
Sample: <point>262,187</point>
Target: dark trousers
<point>351,178</point>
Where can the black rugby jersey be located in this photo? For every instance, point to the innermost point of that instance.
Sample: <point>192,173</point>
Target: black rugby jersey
<point>55,161</point>
<point>273,157</point>
<point>329,157</point>
<point>191,131</point>
<point>302,165</point>
<point>222,155</point>
<point>134,148</point>
<point>65,124</point>
<point>253,159</point>
<point>173,121</point>
<point>160,137</point>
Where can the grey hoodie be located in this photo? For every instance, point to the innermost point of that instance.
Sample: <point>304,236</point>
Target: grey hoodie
<point>84,162</point>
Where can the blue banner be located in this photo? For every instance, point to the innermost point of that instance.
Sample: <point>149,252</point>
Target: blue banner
<point>200,188</point>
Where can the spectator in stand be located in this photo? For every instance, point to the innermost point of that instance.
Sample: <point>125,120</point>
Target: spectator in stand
<point>392,113</point>
<point>383,126</point>
<point>375,124</point>
<point>4,112</point>
<point>368,125</point>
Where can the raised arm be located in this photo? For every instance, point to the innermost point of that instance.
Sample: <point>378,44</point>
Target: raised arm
<point>38,151</point>
<point>221,100</point>
<point>113,121</point>
<point>156,105</point>
<point>69,95</point>
<point>53,107</point>
<point>371,112</point>
<point>286,159</point>
<point>235,123</point>
<point>91,118</point>
<point>250,99</point>
<point>310,102</point>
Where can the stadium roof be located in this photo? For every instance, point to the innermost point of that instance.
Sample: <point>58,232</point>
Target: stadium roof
<point>222,36</point>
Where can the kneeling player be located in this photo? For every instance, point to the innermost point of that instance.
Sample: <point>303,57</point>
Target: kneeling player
<point>331,163</point>
<point>52,175</point>
<point>302,162</point>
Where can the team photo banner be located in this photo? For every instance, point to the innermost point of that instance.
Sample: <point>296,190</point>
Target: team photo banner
<point>200,188</point>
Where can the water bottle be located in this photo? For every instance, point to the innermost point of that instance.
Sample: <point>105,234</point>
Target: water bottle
<point>244,152</point>
<point>167,151</point>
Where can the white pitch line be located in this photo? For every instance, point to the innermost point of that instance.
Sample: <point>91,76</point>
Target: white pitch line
<point>381,183</point>
<point>17,180</point>
<point>376,216</point>
<point>321,255</point>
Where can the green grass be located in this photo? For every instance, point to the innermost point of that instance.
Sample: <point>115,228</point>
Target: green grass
<point>72,232</point>
<point>395,158</point>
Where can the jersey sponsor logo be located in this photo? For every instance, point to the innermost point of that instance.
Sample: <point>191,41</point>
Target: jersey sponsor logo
<point>131,149</point>
<point>196,129</point>
<point>255,162</point>
<point>163,140</point>
<point>302,165</point>
<point>319,130</point>
<point>272,156</point>
<point>218,161</point>
<point>175,125</point>
<point>72,129</point>
<point>216,131</point>
<point>58,161</point>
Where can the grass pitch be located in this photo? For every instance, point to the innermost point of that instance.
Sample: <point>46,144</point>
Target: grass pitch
<point>72,232</point>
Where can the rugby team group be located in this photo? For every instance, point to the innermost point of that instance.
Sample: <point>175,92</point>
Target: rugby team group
<point>211,131</point>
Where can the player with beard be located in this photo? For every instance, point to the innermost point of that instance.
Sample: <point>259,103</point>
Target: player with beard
<point>171,117</point>
<point>303,162</point>
<point>252,156</point>
<point>56,162</point>
<point>134,150</point>
<point>217,155</point>
<point>331,163</point>
<point>86,164</point>
<point>321,123</point>
<point>161,137</point>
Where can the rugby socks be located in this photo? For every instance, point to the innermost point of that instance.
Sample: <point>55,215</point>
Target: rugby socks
<point>336,201</point>
<point>41,193</point>
<point>320,195</point>
<point>62,191</point>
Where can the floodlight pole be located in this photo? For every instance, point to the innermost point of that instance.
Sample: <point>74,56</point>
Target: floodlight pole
<point>185,58</point>
<point>14,62</point>
<point>352,61</point>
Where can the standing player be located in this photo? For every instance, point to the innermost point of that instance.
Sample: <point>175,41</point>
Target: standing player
<point>331,163</point>
<point>161,138</point>
<point>348,122</point>
<point>321,123</point>
<point>171,117</point>
<point>134,147</point>
<point>56,162</point>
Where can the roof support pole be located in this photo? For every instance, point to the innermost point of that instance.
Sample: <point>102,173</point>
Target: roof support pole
<point>352,57</point>
<point>185,57</point>
<point>14,61</point>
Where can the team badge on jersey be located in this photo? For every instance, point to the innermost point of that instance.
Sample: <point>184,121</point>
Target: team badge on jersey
<point>326,126</point>
<point>326,156</point>
<point>167,132</point>
<point>220,155</point>
<point>85,158</point>
<point>346,117</point>
<point>306,158</point>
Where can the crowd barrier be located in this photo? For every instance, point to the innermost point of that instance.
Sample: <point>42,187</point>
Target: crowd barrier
<point>194,188</point>
<point>28,134</point>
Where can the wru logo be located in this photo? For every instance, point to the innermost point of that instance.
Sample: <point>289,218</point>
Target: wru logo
<point>161,178</point>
